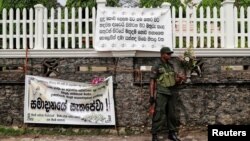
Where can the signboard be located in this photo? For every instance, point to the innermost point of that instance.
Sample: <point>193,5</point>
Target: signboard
<point>120,29</point>
<point>53,101</point>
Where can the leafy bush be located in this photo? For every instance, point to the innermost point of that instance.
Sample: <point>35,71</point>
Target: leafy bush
<point>154,3</point>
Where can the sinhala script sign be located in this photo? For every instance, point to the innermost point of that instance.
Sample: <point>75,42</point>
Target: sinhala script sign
<point>119,29</point>
<point>54,101</point>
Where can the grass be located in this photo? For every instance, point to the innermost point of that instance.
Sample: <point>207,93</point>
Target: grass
<point>9,131</point>
<point>6,131</point>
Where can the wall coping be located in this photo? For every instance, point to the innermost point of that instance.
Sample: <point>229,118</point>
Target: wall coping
<point>78,53</point>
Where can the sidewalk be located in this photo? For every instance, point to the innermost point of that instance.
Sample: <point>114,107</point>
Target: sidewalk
<point>184,136</point>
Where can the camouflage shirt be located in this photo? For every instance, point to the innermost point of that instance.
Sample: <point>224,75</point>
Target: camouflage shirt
<point>156,71</point>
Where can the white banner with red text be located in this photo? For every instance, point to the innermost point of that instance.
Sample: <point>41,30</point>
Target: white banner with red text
<point>54,101</point>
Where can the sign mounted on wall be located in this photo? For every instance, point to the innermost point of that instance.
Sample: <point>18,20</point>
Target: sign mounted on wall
<point>53,101</point>
<point>121,29</point>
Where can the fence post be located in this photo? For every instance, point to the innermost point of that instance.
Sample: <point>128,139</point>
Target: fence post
<point>39,9</point>
<point>167,6</point>
<point>101,3</point>
<point>228,7</point>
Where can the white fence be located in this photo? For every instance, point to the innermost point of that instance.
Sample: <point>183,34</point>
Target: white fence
<point>54,29</point>
<point>43,29</point>
<point>210,29</point>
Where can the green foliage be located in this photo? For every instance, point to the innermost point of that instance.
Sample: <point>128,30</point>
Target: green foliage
<point>210,3</point>
<point>113,3</point>
<point>244,3</point>
<point>154,3</point>
<point>149,3</point>
<point>26,3</point>
<point>81,3</point>
<point>188,60</point>
<point>218,3</point>
<point>88,3</point>
<point>5,131</point>
<point>48,3</point>
<point>51,130</point>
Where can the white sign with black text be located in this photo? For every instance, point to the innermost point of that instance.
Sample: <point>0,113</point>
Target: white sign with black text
<point>145,29</point>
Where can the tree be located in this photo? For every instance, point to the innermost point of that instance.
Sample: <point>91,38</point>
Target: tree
<point>88,3</point>
<point>80,3</point>
<point>217,3</point>
<point>26,3</point>
<point>113,3</point>
<point>244,3</point>
<point>154,3</point>
<point>211,3</point>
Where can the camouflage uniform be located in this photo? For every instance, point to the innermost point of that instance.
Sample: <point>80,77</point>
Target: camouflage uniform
<point>164,117</point>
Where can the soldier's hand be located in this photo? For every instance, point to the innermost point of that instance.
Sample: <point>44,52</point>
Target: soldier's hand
<point>151,100</point>
<point>183,77</point>
<point>151,110</point>
<point>180,78</point>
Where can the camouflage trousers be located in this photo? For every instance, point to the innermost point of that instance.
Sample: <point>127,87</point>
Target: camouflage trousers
<point>164,118</point>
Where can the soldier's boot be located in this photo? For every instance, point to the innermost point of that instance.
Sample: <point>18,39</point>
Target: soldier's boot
<point>155,137</point>
<point>172,136</point>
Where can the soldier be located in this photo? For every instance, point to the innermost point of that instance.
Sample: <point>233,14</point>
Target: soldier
<point>163,79</point>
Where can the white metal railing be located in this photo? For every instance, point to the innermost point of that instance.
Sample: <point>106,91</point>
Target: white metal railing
<point>43,29</point>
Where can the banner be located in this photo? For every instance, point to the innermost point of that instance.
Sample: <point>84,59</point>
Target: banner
<point>54,101</point>
<point>120,29</point>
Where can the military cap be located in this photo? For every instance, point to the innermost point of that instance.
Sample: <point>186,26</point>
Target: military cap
<point>166,50</point>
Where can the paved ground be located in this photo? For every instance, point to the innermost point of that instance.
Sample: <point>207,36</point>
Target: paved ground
<point>184,136</point>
